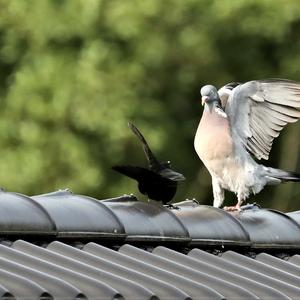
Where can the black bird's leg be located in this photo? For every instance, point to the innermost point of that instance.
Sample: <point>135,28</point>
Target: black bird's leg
<point>171,206</point>
<point>195,201</point>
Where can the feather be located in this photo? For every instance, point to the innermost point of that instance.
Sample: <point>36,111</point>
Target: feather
<point>258,110</point>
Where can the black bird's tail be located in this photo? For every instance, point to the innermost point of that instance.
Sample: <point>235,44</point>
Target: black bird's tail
<point>153,162</point>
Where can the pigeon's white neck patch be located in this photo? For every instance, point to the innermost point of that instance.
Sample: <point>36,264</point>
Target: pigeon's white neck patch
<point>220,112</point>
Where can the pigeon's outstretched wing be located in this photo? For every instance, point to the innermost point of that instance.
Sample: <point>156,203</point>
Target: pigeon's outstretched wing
<point>259,109</point>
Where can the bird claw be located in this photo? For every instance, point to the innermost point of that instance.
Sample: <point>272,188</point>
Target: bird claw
<point>195,201</point>
<point>171,206</point>
<point>233,208</point>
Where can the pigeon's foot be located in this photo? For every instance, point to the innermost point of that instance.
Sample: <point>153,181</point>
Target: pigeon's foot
<point>237,207</point>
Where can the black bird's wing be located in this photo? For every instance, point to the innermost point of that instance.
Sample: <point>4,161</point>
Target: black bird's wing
<point>153,162</point>
<point>140,174</point>
<point>171,174</point>
<point>162,169</point>
<point>150,183</point>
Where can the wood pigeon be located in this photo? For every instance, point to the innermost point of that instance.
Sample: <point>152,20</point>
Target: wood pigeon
<point>240,120</point>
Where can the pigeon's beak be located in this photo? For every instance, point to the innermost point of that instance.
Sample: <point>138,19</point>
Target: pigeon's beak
<point>204,99</point>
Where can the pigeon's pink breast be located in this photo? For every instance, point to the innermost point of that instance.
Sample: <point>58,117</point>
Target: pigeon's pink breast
<point>213,139</point>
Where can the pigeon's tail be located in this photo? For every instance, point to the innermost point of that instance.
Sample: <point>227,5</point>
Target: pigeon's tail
<point>283,176</point>
<point>153,162</point>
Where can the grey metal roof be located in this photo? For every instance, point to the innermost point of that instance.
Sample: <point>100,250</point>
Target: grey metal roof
<point>77,215</point>
<point>66,246</point>
<point>20,214</point>
<point>269,228</point>
<point>64,215</point>
<point>92,271</point>
<point>207,225</point>
<point>147,222</point>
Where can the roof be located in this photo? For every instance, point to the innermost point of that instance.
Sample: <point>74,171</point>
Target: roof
<point>64,215</point>
<point>89,270</point>
<point>67,246</point>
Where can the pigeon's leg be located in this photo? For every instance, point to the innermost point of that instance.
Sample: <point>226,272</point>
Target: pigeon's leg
<point>233,208</point>
<point>218,193</point>
<point>237,206</point>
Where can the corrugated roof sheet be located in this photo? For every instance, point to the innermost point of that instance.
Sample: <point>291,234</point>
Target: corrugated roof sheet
<point>62,271</point>
<point>66,246</point>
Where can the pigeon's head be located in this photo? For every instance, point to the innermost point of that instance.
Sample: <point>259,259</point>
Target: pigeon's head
<point>209,94</point>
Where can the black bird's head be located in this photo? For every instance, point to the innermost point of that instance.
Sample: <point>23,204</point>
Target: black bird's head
<point>166,164</point>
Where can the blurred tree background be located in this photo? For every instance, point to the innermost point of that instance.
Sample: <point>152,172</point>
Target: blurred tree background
<point>73,72</point>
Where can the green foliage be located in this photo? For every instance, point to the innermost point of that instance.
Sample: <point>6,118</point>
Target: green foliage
<point>73,72</point>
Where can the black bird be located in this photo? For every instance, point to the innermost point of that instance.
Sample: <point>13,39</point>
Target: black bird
<point>159,181</point>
